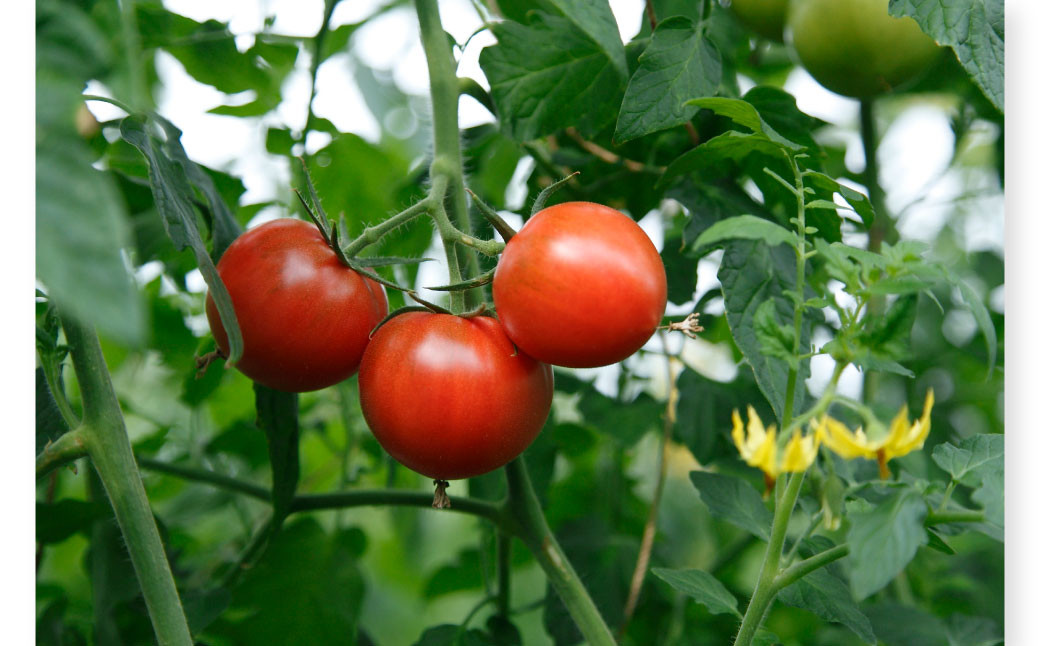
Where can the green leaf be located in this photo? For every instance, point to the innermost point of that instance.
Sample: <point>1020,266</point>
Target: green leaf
<point>775,340</point>
<point>702,588</point>
<point>859,202</point>
<point>982,454</point>
<point>884,538</point>
<point>765,638</point>
<point>983,319</point>
<point>202,607</point>
<point>451,635</point>
<point>168,175</point>
<point>625,420</point>
<point>938,543</point>
<point>975,31</point>
<point>746,227</point>
<point>465,574</point>
<point>733,500</point>
<point>276,414</point>
<point>679,62</point>
<point>752,273</point>
<point>827,596</point>
<point>962,630</point>
<point>81,228</point>
<point>306,590</point>
<point>899,625</point>
<point>745,114</point>
<point>50,425</point>
<point>548,76</point>
<point>595,18</point>
<point>780,110</point>
<point>718,156</point>
<point>991,496</point>
<point>57,521</point>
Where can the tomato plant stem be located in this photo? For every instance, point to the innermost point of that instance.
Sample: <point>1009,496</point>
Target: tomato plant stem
<point>208,477</point>
<point>504,543</point>
<point>524,509</point>
<point>68,448</point>
<point>881,230</point>
<point>765,589</point>
<point>447,153</point>
<point>394,498</point>
<point>104,434</point>
<point>139,95</point>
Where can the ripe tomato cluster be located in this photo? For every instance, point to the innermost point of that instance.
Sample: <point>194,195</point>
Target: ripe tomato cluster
<point>448,396</point>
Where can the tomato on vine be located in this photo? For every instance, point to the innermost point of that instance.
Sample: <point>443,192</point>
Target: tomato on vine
<point>855,48</point>
<point>451,397</point>
<point>764,17</point>
<point>580,285</point>
<point>305,317</point>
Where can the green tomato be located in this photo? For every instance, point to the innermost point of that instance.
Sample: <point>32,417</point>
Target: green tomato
<point>764,17</point>
<point>853,47</point>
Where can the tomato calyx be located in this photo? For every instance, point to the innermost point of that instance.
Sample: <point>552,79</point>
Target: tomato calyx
<point>477,281</point>
<point>503,228</point>
<point>440,495</point>
<point>689,326</point>
<point>202,363</point>
<point>547,192</point>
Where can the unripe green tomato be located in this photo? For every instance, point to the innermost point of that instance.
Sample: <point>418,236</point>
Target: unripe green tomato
<point>764,17</point>
<point>853,47</point>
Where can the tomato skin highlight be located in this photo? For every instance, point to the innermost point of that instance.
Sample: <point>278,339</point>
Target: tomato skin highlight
<point>451,397</point>
<point>305,317</point>
<point>580,285</point>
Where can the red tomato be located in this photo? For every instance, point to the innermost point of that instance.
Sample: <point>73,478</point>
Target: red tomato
<point>451,397</point>
<point>305,318</point>
<point>581,285</point>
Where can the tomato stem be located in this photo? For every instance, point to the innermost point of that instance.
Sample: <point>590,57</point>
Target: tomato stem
<point>533,530</point>
<point>103,433</point>
<point>447,153</point>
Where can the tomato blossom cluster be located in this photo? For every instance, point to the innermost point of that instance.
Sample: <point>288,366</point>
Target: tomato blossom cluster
<point>758,445</point>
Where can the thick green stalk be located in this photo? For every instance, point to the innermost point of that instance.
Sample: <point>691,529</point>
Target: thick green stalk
<point>108,446</point>
<point>447,153</point>
<point>140,97</point>
<point>765,589</point>
<point>504,543</point>
<point>533,530</point>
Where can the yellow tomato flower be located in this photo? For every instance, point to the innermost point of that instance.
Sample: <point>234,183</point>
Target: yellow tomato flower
<point>902,437</point>
<point>758,447</point>
<point>800,452</point>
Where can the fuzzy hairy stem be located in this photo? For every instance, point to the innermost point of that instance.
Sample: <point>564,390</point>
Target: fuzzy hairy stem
<point>107,444</point>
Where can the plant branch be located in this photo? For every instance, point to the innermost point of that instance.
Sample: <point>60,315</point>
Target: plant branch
<point>208,477</point>
<point>447,153</point>
<point>611,158</point>
<point>375,232</point>
<point>104,435</point>
<point>650,528</point>
<point>68,448</point>
<point>504,544</point>
<point>394,498</point>
<point>523,508</point>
